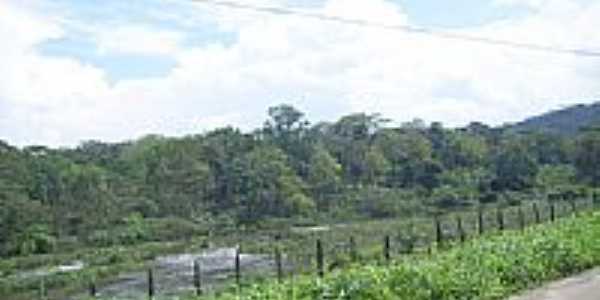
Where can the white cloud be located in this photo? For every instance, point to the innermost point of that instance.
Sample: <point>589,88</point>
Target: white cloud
<point>325,68</point>
<point>545,5</point>
<point>525,3</point>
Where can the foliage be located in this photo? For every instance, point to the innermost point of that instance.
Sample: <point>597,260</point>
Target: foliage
<point>587,157</point>
<point>492,267</point>
<point>357,167</point>
<point>566,121</point>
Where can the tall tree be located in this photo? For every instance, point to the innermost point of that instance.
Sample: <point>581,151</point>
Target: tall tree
<point>515,166</point>
<point>351,137</point>
<point>287,128</point>
<point>270,186</point>
<point>324,176</point>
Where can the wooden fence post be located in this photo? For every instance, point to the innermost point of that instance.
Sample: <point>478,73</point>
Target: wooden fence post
<point>238,267</point>
<point>353,253</point>
<point>197,278</point>
<point>480,227</point>
<point>43,288</point>
<point>93,289</point>
<point>552,212</point>
<point>536,213</point>
<point>412,238</point>
<point>320,259</point>
<point>461,231</point>
<point>521,217</point>
<point>278,264</point>
<point>439,239</point>
<point>573,207</point>
<point>500,218</point>
<point>150,284</point>
<point>386,248</point>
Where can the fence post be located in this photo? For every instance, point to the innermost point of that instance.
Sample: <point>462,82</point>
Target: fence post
<point>412,238</point>
<point>150,284</point>
<point>536,213</point>
<point>500,218</point>
<point>574,207</point>
<point>93,289</point>
<point>197,278</point>
<point>353,254</point>
<point>552,212</point>
<point>238,267</point>
<point>386,248</point>
<point>320,259</point>
<point>43,288</point>
<point>461,231</point>
<point>278,264</point>
<point>439,239</point>
<point>480,227</point>
<point>521,217</point>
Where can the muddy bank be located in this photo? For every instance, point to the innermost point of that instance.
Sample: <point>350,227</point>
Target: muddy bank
<point>173,274</point>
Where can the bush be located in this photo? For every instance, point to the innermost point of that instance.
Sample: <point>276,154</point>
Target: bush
<point>493,267</point>
<point>35,240</point>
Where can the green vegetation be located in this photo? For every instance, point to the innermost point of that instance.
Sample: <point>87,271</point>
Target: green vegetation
<point>492,267</point>
<point>566,121</point>
<point>226,186</point>
<point>100,265</point>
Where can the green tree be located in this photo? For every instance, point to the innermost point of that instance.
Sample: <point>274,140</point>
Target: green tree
<point>221,148</point>
<point>515,166</point>
<point>587,157</point>
<point>555,177</point>
<point>324,176</point>
<point>376,166</point>
<point>270,187</point>
<point>350,138</point>
<point>287,128</point>
<point>465,150</point>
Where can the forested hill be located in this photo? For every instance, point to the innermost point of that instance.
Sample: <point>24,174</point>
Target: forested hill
<point>564,121</point>
<point>288,170</point>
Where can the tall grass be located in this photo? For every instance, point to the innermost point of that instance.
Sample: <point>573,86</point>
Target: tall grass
<point>490,267</point>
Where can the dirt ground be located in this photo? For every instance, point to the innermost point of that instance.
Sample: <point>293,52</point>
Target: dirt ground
<point>585,286</point>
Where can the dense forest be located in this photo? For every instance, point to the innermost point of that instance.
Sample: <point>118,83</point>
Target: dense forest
<point>289,169</point>
<point>566,121</point>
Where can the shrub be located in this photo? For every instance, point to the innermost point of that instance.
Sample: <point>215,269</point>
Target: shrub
<point>492,267</point>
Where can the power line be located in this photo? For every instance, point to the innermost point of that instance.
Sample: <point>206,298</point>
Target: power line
<point>406,28</point>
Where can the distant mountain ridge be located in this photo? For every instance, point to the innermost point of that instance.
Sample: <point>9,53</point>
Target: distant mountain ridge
<point>564,121</point>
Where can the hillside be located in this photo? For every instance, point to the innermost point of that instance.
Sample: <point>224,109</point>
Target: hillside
<point>565,121</point>
<point>152,194</point>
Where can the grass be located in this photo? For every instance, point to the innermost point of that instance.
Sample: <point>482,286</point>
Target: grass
<point>492,267</point>
<point>102,264</point>
<point>406,234</point>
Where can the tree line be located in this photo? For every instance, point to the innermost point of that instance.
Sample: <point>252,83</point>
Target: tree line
<point>357,167</point>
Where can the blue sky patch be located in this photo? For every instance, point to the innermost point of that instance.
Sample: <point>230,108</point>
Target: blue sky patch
<point>171,16</point>
<point>117,66</point>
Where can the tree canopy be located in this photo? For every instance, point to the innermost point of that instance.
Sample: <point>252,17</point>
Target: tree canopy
<point>357,166</point>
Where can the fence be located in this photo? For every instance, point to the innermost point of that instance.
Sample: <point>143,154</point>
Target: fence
<point>324,250</point>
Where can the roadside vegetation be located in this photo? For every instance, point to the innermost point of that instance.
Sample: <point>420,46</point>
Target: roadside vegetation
<point>362,176</point>
<point>491,267</point>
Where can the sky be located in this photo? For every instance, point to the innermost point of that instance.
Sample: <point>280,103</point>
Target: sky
<point>114,70</point>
